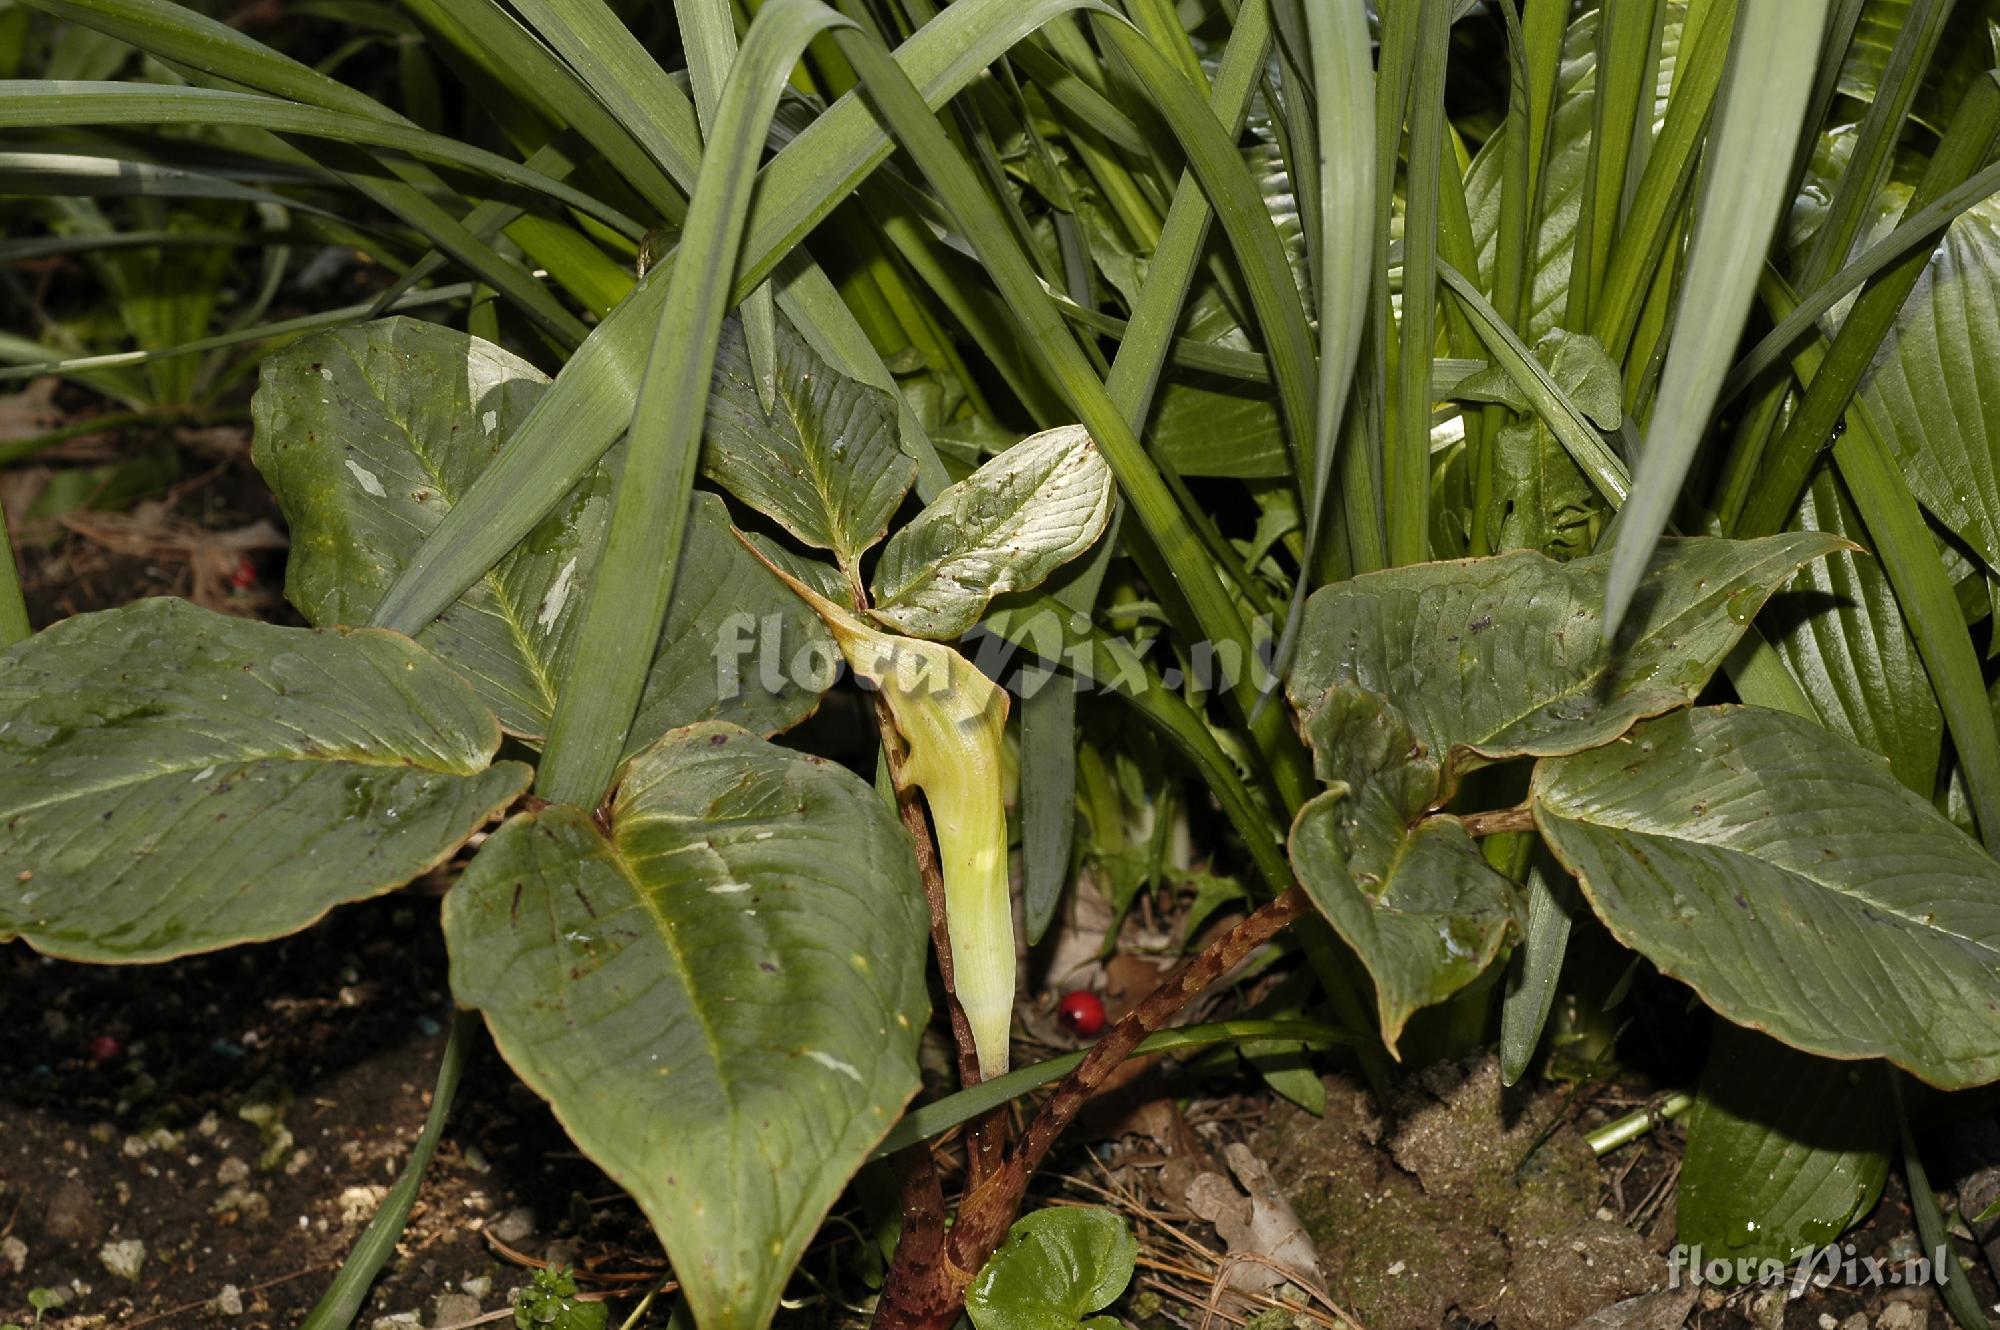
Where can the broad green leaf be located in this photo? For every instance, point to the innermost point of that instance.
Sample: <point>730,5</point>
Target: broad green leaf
<point>1411,895</point>
<point>1055,1268</point>
<point>719,992</point>
<point>1004,528</point>
<point>824,463</point>
<point>590,404</point>
<point>1505,657</point>
<point>1793,882</point>
<point>1845,641</point>
<point>370,434</point>
<point>177,781</point>
<point>1923,389</point>
<point>1785,1150</point>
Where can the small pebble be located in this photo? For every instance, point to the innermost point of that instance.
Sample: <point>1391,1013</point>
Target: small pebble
<point>1903,1316</point>
<point>229,1302</point>
<point>515,1225</point>
<point>124,1258</point>
<point>14,1253</point>
<point>231,1171</point>
<point>454,1309</point>
<point>253,1206</point>
<point>357,1204</point>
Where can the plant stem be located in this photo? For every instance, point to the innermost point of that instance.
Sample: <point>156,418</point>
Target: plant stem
<point>14,625</point>
<point>1498,821</point>
<point>927,1280</point>
<point>1632,1126</point>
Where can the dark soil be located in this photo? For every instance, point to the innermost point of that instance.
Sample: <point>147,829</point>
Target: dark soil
<point>241,1115</point>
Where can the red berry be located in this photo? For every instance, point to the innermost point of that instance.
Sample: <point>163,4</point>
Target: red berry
<point>245,575</point>
<point>1082,1012</point>
<point>105,1047</point>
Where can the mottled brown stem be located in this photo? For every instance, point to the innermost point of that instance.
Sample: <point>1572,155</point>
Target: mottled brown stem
<point>986,1137</point>
<point>928,1294</point>
<point>1499,821</point>
<point>921,1244</point>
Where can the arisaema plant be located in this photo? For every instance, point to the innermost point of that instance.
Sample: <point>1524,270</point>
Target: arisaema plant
<point>1457,447</point>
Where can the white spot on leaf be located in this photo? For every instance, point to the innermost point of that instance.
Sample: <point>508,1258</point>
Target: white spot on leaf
<point>832,1063</point>
<point>370,482</point>
<point>558,597</point>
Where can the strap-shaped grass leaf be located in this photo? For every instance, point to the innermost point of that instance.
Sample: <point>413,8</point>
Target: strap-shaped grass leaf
<point>1754,137</point>
<point>720,993</point>
<point>1784,1149</point>
<point>1004,528</point>
<point>824,464</point>
<point>1413,898</point>
<point>1561,176</point>
<point>1506,657</point>
<point>370,434</point>
<point>173,781</point>
<point>591,402</point>
<point>1788,877</point>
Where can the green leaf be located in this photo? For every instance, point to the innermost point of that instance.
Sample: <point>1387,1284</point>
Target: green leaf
<point>624,613</point>
<point>1793,882</point>
<point>177,781</point>
<point>824,464</point>
<point>1922,388</point>
<point>1055,1268</point>
<point>590,404</point>
<point>32,103</point>
<point>1848,646</point>
<point>1004,528</point>
<point>550,1301</point>
<point>1535,966</point>
<point>719,992</point>
<point>1505,657</point>
<point>1542,500</point>
<point>1967,47</point>
<point>1577,365</point>
<point>1411,895</point>
<point>1785,1150</point>
<point>1560,177</point>
<point>1747,173</point>
<point>370,434</point>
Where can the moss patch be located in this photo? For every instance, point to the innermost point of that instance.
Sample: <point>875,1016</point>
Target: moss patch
<point>1454,1208</point>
